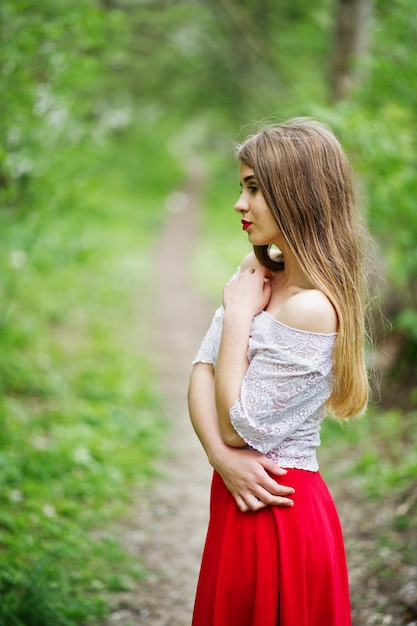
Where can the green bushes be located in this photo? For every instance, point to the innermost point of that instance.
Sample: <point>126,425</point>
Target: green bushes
<point>84,171</point>
<point>80,417</point>
<point>80,200</point>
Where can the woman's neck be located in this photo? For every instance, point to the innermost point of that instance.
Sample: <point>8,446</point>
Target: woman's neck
<point>292,275</point>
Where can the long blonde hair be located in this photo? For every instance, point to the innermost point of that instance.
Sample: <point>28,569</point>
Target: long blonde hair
<point>306,181</point>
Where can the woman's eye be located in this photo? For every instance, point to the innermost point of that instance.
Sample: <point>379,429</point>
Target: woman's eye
<point>253,189</point>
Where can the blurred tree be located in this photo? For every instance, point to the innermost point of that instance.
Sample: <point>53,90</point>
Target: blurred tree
<point>56,81</point>
<point>389,101</point>
<point>73,73</point>
<point>350,43</point>
<point>253,54</point>
<point>377,124</point>
<point>223,59</point>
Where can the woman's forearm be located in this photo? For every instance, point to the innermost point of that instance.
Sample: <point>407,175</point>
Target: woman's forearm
<point>202,409</point>
<point>242,299</point>
<point>231,367</point>
<point>247,474</point>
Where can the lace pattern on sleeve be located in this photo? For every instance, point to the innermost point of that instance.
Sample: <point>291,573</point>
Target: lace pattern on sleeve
<point>283,393</point>
<point>209,348</point>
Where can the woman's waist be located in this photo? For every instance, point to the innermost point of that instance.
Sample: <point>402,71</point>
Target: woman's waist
<point>295,457</point>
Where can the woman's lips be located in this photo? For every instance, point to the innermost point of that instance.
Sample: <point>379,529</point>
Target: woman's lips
<point>245,224</point>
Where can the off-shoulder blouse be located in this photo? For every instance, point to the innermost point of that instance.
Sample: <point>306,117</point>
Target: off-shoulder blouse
<point>284,391</point>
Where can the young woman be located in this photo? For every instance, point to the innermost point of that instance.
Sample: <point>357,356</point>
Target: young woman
<point>286,348</point>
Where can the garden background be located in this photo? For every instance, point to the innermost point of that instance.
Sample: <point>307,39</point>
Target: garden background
<point>106,107</point>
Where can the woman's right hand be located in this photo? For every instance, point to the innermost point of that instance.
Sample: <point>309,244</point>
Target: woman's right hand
<point>246,473</point>
<point>249,293</point>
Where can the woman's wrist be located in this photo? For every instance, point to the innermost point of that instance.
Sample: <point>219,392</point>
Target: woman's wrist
<point>237,321</point>
<point>216,453</point>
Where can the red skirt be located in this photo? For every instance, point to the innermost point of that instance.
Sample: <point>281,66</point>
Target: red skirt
<point>277,566</point>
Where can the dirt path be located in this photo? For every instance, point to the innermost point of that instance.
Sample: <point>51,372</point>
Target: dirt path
<point>169,523</point>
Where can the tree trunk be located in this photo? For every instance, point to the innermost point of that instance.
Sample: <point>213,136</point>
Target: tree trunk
<point>351,42</point>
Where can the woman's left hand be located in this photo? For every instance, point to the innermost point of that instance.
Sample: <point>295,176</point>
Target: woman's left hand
<point>249,293</point>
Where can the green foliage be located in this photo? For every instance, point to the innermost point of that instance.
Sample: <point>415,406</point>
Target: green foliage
<point>80,414</point>
<point>380,451</point>
<point>98,101</point>
<point>80,198</point>
<point>31,599</point>
<point>53,68</point>
<point>377,127</point>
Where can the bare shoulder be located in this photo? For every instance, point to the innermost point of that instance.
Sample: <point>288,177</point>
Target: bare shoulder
<point>309,310</point>
<point>249,262</point>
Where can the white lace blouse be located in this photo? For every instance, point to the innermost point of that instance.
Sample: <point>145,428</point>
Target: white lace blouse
<point>283,394</point>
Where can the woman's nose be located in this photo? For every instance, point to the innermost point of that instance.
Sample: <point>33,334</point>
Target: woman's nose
<point>241,205</point>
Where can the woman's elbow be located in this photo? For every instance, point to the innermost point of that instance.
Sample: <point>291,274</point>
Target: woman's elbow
<point>232,439</point>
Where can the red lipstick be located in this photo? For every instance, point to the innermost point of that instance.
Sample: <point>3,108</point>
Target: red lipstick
<point>245,224</point>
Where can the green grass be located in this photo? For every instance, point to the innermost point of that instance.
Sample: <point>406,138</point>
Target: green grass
<point>80,416</point>
<point>379,451</point>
